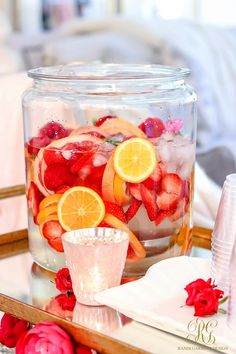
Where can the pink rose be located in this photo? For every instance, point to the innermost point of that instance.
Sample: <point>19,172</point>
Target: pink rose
<point>174,125</point>
<point>45,337</point>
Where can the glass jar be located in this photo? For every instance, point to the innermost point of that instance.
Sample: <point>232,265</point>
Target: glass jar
<point>111,146</point>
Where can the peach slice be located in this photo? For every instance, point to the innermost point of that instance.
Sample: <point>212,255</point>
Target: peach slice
<point>117,125</point>
<point>49,201</point>
<point>121,197</point>
<point>38,177</point>
<point>73,139</point>
<point>108,182</point>
<point>136,245</point>
<point>44,213</point>
<point>87,130</point>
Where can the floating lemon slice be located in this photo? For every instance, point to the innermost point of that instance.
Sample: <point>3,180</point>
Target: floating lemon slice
<point>80,207</point>
<point>135,160</point>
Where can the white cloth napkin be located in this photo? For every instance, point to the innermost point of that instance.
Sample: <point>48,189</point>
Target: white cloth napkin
<point>158,298</point>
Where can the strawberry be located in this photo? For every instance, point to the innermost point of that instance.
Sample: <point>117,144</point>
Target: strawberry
<point>96,134</point>
<point>132,210</point>
<point>34,197</point>
<point>152,127</point>
<point>152,182</point>
<point>162,214</point>
<point>56,243</point>
<point>85,159</point>
<point>35,144</point>
<point>57,175</point>
<point>101,120</point>
<point>104,224</point>
<point>53,156</point>
<point>53,231</point>
<point>131,255</point>
<point>172,183</point>
<point>62,189</point>
<point>135,190</point>
<point>116,210</point>
<point>180,210</point>
<point>167,201</point>
<point>149,202</point>
<point>53,130</point>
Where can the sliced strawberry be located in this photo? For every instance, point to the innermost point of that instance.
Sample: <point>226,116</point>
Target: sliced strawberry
<point>96,134</point>
<point>162,214</point>
<point>104,224</point>
<point>131,255</point>
<point>34,197</point>
<point>53,156</point>
<point>133,208</point>
<point>172,183</point>
<point>94,179</point>
<point>84,160</point>
<point>57,175</point>
<point>116,210</point>
<point>62,189</point>
<point>53,231</point>
<point>36,143</point>
<point>152,182</point>
<point>149,202</point>
<point>167,201</point>
<point>180,210</point>
<point>56,243</point>
<point>135,190</point>
<point>101,120</point>
<point>152,127</point>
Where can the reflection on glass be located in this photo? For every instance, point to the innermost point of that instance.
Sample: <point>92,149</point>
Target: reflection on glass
<point>101,318</point>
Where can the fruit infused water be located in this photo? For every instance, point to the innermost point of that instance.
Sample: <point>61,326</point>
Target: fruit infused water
<point>114,174</point>
<point>110,145</point>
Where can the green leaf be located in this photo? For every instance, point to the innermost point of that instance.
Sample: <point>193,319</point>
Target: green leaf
<point>224,312</point>
<point>94,121</point>
<point>113,142</point>
<point>223,300</point>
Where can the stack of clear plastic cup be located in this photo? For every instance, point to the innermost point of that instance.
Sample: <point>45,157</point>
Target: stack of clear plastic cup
<point>224,235</point>
<point>231,312</point>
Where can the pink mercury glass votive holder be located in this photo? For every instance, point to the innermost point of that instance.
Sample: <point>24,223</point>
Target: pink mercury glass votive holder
<point>95,258</point>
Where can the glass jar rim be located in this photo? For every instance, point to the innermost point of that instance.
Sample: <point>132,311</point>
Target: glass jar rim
<point>107,73</point>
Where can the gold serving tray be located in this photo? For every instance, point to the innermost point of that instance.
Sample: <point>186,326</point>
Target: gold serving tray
<point>15,243</point>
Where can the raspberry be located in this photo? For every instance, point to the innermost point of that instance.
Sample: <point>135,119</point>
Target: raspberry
<point>53,131</point>
<point>152,127</point>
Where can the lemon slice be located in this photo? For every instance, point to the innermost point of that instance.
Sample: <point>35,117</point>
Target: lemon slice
<point>80,207</point>
<point>135,160</point>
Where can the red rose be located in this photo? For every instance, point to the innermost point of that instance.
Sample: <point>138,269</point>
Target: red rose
<point>206,302</point>
<point>195,288</point>
<point>63,280</point>
<point>66,301</point>
<point>45,337</point>
<point>11,329</point>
